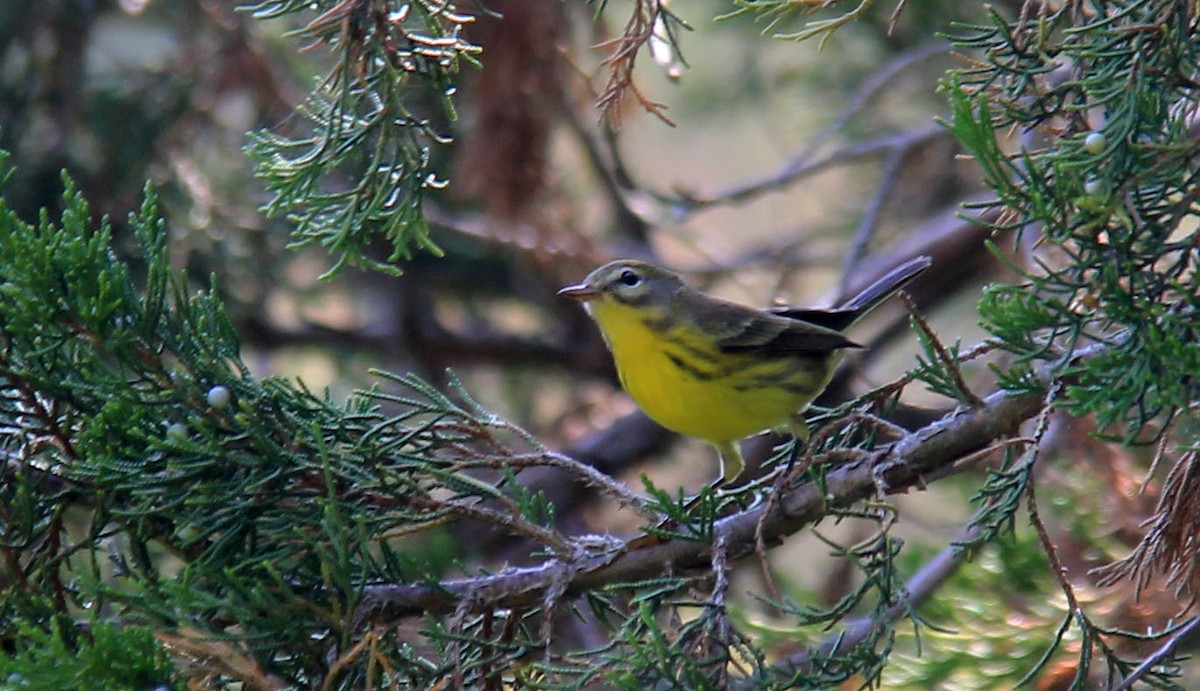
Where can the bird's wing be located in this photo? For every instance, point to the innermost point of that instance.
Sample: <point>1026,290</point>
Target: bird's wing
<point>830,318</point>
<point>740,329</point>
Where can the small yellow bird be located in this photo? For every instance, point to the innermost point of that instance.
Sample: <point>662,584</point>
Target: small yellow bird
<point>714,369</point>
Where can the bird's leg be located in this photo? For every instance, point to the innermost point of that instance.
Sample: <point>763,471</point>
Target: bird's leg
<point>732,465</point>
<point>732,462</point>
<point>798,426</point>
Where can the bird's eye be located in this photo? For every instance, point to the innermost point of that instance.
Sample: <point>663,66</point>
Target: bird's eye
<point>630,278</point>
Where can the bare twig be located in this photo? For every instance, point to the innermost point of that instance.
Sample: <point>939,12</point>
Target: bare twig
<point>1056,564</point>
<point>614,177</point>
<point>803,163</point>
<point>803,167</point>
<point>720,569</point>
<point>511,520</point>
<point>198,648</point>
<point>1160,450</point>
<point>348,659</point>
<point>895,18</point>
<point>760,542</point>
<point>1158,656</point>
<point>870,218</point>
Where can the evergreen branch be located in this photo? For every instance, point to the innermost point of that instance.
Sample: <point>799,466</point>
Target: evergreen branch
<point>775,12</point>
<point>638,32</point>
<point>274,501</point>
<point>948,378</point>
<point>927,451</point>
<point>825,28</point>
<point>366,168</point>
<point>1105,187</point>
<point>922,585</point>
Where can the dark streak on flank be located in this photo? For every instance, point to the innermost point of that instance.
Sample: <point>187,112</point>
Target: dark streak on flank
<point>805,368</point>
<point>693,372</point>
<point>725,366</point>
<point>705,356</point>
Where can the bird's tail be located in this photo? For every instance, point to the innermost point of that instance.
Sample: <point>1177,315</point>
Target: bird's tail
<point>850,311</point>
<point>882,289</point>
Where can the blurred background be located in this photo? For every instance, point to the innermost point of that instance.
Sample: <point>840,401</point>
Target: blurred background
<point>766,170</point>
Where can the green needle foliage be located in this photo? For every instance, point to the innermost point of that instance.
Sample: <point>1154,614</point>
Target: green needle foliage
<point>149,477</point>
<point>1102,176</point>
<point>108,658</point>
<point>1082,117</point>
<point>365,168</point>
<point>152,483</point>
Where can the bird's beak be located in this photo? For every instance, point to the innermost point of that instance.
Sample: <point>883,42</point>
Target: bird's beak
<point>582,292</point>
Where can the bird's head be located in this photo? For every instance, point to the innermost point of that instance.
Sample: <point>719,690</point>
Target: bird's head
<point>628,283</point>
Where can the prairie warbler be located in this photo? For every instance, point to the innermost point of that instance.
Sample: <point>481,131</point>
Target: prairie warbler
<point>714,369</point>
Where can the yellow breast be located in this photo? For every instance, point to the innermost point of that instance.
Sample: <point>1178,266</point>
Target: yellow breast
<point>688,386</point>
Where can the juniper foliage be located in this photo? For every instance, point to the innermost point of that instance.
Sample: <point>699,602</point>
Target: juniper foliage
<point>152,481</point>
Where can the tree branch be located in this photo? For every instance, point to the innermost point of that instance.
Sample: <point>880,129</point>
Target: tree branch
<point>933,450</point>
<point>918,589</point>
<point>1165,652</point>
<point>800,168</point>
